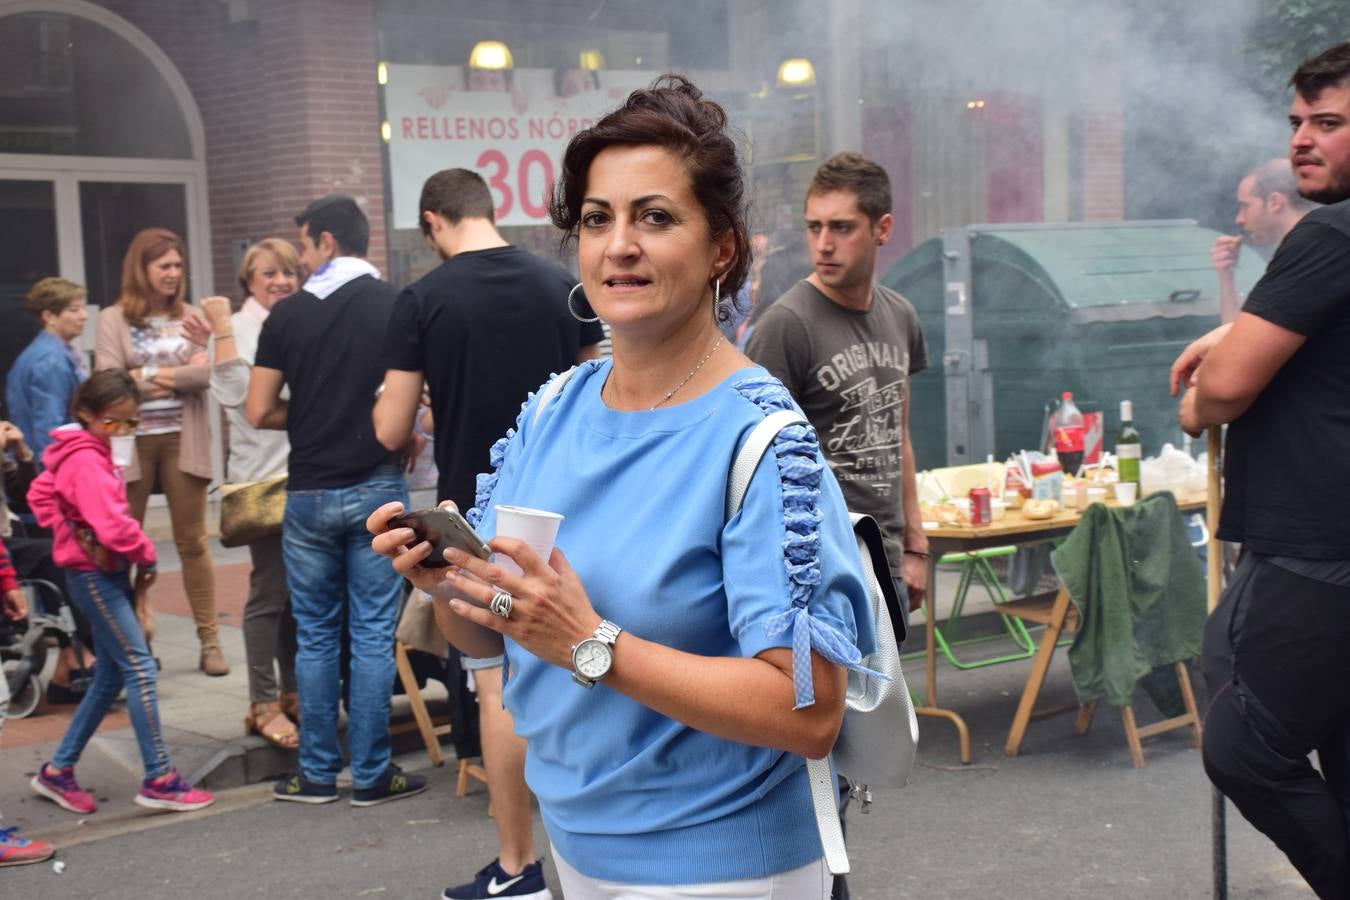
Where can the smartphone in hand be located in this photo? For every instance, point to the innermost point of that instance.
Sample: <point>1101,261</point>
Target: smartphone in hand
<point>443,528</point>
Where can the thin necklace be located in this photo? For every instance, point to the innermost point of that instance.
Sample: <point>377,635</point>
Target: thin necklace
<point>701,363</point>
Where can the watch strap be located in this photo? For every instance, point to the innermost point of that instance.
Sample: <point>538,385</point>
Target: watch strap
<point>606,632</point>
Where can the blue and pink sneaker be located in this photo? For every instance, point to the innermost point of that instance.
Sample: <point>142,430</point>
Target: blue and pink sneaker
<point>17,851</point>
<point>60,787</point>
<point>169,791</point>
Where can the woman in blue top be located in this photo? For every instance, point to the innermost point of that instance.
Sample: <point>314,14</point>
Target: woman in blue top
<point>721,645</point>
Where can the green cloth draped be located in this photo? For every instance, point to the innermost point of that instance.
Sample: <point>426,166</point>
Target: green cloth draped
<point>1140,593</point>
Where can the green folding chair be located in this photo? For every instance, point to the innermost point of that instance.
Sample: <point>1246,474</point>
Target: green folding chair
<point>975,567</point>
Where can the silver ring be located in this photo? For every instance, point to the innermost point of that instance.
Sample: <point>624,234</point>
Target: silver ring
<point>501,604</point>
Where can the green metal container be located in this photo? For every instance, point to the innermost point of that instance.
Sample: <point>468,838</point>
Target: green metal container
<point>1016,314</point>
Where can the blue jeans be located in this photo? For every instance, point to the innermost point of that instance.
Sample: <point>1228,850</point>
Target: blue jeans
<point>333,574</point>
<point>124,660</point>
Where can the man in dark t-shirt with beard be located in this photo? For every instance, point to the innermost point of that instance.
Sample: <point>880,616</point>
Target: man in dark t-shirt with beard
<point>1275,655</point>
<point>484,329</point>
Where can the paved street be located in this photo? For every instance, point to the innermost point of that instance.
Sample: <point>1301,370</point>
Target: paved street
<point>1068,818</point>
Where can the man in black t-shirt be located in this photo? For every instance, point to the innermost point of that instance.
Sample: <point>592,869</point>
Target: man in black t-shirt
<point>316,343</point>
<point>1275,654</point>
<point>484,329</point>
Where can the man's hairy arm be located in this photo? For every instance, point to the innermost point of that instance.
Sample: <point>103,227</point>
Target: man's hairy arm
<point>1235,371</point>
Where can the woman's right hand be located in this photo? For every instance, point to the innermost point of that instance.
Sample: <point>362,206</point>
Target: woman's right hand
<point>393,543</point>
<point>217,312</point>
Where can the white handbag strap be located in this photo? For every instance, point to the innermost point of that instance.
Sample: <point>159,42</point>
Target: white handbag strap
<point>824,791</point>
<point>747,460</point>
<point>825,801</point>
<point>551,390</point>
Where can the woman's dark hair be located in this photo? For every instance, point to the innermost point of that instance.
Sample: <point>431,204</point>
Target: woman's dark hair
<point>672,114</point>
<point>103,389</point>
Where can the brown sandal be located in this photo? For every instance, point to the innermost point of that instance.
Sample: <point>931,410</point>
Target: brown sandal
<point>269,722</point>
<point>290,705</point>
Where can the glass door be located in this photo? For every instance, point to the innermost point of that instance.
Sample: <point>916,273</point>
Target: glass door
<point>28,252</point>
<point>111,213</point>
<point>78,225</point>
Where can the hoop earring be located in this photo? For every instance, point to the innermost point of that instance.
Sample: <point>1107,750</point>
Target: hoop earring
<point>721,312</point>
<point>571,309</point>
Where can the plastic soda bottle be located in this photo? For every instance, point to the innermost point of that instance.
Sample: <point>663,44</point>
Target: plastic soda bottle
<point>1069,435</point>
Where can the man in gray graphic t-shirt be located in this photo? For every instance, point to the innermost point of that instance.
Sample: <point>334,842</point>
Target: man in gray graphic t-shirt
<point>845,347</point>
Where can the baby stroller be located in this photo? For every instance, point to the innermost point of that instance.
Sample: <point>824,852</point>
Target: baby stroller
<point>24,645</point>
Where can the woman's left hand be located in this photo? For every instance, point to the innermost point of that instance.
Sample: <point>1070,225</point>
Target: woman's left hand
<point>196,329</point>
<point>550,611</point>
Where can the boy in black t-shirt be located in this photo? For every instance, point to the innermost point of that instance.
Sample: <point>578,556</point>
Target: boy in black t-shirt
<point>317,344</point>
<point>1275,652</point>
<point>484,329</point>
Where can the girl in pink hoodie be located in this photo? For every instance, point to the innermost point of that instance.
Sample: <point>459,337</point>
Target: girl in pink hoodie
<point>81,497</point>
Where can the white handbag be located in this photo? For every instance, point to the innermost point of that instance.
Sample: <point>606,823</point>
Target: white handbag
<point>880,734</point>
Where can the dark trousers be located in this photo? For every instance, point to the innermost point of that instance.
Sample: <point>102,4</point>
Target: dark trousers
<point>1277,662</point>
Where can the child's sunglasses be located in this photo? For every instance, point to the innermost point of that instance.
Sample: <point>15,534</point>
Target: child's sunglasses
<point>121,426</point>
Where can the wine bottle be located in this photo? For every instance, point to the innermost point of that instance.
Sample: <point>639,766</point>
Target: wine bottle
<point>1129,449</point>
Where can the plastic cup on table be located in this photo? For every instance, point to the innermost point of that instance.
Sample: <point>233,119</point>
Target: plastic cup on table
<point>536,527</point>
<point>1127,492</point>
<point>1096,495</point>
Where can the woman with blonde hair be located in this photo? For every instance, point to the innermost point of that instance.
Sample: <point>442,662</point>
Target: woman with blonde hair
<point>268,272</point>
<point>144,334</point>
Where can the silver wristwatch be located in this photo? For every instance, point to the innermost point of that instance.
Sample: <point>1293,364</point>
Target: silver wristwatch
<point>149,371</point>
<point>594,657</point>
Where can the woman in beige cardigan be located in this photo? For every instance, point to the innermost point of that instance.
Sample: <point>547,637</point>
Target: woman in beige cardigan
<point>144,334</point>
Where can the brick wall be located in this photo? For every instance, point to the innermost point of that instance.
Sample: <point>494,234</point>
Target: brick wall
<point>1102,118</point>
<point>290,107</point>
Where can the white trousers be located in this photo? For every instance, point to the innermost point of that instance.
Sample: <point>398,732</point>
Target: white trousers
<point>810,882</point>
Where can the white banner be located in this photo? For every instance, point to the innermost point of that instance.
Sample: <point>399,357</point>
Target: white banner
<point>513,137</point>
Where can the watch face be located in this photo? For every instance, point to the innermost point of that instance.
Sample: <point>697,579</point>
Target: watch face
<point>593,658</point>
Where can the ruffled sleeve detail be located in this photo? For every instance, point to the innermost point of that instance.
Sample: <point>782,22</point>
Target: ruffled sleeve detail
<point>486,483</point>
<point>800,466</point>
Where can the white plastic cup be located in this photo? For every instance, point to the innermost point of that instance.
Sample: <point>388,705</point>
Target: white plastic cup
<point>1096,495</point>
<point>1127,492</point>
<point>536,527</point>
<point>123,449</point>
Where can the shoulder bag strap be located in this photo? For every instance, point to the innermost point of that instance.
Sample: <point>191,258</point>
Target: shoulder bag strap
<point>824,790</point>
<point>747,459</point>
<point>551,390</point>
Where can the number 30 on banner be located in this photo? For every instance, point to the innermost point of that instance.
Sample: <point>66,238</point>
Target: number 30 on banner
<point>498,173</point>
